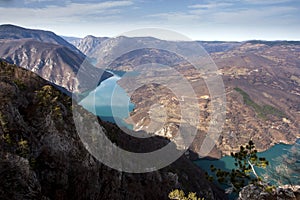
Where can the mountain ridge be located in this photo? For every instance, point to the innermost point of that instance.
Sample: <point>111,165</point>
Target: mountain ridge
<point>9,31</point>
<point>48,55</point>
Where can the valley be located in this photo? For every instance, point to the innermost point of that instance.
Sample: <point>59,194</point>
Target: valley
<point>261,84</point>
<point>232,93</point>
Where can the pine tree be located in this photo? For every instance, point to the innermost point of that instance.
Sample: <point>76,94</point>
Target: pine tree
<point>244,173</point>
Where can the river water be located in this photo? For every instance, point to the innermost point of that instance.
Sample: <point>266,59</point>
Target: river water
<point>109,95</point>
<point>101,101</point>
<point>273,155</point>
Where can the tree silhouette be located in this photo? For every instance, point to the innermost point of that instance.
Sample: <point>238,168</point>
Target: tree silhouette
<point>244,173</point>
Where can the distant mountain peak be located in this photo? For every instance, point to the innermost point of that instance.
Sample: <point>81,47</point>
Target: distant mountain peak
<point>11,26</point>
<point>46,54</point>
<point>12,32</point>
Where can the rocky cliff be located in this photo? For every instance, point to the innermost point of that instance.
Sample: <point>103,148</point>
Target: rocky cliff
<point>88,44</point>
<point>48,55</point>
<point>252,192</point>
<point>42,157</point>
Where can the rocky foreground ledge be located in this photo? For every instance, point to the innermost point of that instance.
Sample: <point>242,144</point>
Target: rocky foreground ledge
<point>252,192</point>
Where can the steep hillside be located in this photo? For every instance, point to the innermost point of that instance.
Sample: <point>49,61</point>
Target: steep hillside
<point>263,92</point>
<point>269,74</point>
<point>88,44</point>
<point>48,55</point>
<point>42,156</point>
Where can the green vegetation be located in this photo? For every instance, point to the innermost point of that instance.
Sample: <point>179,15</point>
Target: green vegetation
<point>179,195</point>
<point>7,139</point>
<point>3,123</point>
<point>16,144</point>
<point>49,97</point>
<point>23,148</point>
<point>20,148</point>
<point>262,111</point>
<point>20,84</point>
<point>8,71</point>
<point>245,161</point>
<point>13,145</point>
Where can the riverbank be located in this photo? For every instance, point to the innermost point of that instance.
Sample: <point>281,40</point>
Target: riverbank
<point>109,101</point>
<point>273,155</point>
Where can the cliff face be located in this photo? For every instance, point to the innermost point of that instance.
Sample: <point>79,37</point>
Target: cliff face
<point>49,56</point>
<point>42,157</point>
<point>88,44</point>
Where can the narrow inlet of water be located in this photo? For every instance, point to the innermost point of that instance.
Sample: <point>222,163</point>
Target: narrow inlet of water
<point>109,101</point>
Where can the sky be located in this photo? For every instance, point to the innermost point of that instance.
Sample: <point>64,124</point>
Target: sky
<point>226,20</point>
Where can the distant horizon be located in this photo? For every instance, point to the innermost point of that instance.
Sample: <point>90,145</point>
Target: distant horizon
<point>207,20</point>
<point>197,40</point>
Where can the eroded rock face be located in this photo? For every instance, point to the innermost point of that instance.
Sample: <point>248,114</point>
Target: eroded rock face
<point>17,179</point>
<point>49,56</point>
<point>42,157</point>
<point>252,192</point>
<point>88,44</point>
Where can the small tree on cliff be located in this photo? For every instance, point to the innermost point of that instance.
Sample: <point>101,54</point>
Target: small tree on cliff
<point>244,173</point>
<point>180,195</point>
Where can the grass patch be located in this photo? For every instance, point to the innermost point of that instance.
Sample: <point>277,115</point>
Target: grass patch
<point>262,111</point>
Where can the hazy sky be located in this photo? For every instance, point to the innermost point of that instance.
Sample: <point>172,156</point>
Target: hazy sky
<point>197,19</point>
